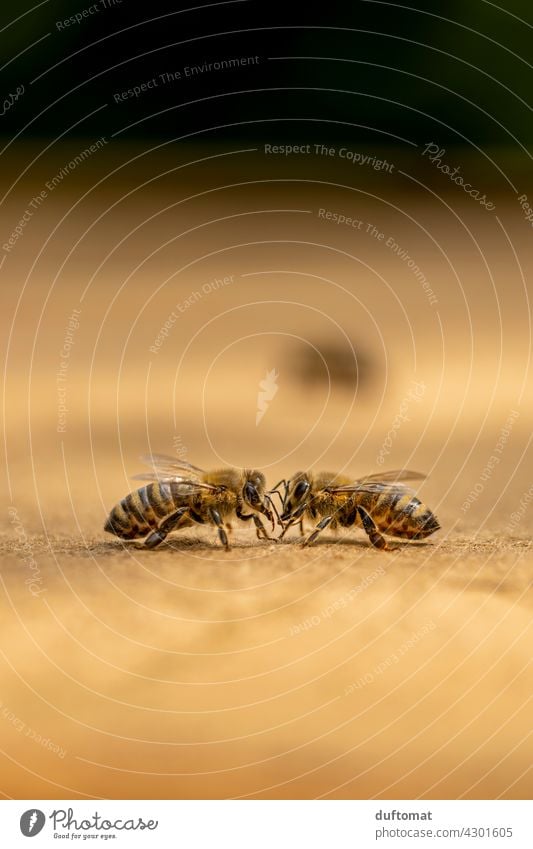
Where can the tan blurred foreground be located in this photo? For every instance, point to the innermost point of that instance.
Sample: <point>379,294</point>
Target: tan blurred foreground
<point>268,673</point>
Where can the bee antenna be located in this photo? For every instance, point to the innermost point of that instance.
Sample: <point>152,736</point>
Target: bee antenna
<point>271,502</point>
<point>278,493</point>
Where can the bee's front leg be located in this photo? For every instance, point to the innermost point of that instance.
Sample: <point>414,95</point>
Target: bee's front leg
<point>215,516</point>
<point>286,527</point>
<point>296,518</point>
<point>259,527</point>
<point>244,517</point>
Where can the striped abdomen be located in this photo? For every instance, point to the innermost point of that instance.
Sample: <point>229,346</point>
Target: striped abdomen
<point>141,511</point>
<point>399,514</point>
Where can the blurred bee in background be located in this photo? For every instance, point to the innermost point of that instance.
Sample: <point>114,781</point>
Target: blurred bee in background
<point>379,504</point>
<point>182,495</point>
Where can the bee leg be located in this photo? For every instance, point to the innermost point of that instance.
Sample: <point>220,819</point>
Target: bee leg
<point>285,529</point>
<point>244,517</point>
<point>215,516</point>
<point>296,518</point>
<point>322,525</point>
<point>377,540</point>
<point>289,524</point>
<point>167,525</point>
<point>260,529</point>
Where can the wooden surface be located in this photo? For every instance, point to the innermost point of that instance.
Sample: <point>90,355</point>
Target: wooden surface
<point>269,671</point>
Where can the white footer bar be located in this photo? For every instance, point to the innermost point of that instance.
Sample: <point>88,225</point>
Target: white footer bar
<point>261,824</point>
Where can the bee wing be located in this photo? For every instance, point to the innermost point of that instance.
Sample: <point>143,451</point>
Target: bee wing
<point>186,485</point>
<point>396,475</point>
<point>380,482</point>
<point>372,487</point>
<point>164,464</point>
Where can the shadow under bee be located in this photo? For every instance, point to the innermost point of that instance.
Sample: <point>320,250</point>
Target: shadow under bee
<point>352,542</point>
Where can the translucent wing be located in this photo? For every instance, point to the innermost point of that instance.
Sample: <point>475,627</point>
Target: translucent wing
<point>189,486</point>
<point>372,487</point>
<point>380,482</point>
<point>163,464</point>
<point>394,475</point>
<point>167,469</point>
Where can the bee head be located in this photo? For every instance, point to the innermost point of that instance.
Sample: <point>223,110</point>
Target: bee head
<point>253,492</point>
<point>296,496</point>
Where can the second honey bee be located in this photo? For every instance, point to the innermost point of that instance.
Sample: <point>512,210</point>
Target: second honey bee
<point>379,504</point>
<point>181,495</point>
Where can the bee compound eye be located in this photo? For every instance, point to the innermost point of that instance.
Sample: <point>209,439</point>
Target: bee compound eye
<point>301,489</point>
<point>250,493</point>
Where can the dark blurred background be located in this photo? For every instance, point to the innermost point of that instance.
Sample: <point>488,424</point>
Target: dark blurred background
<point>367,68</point>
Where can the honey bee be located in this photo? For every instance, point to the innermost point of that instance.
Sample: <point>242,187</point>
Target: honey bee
<point>379,504</point>
<point>182,495</point>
